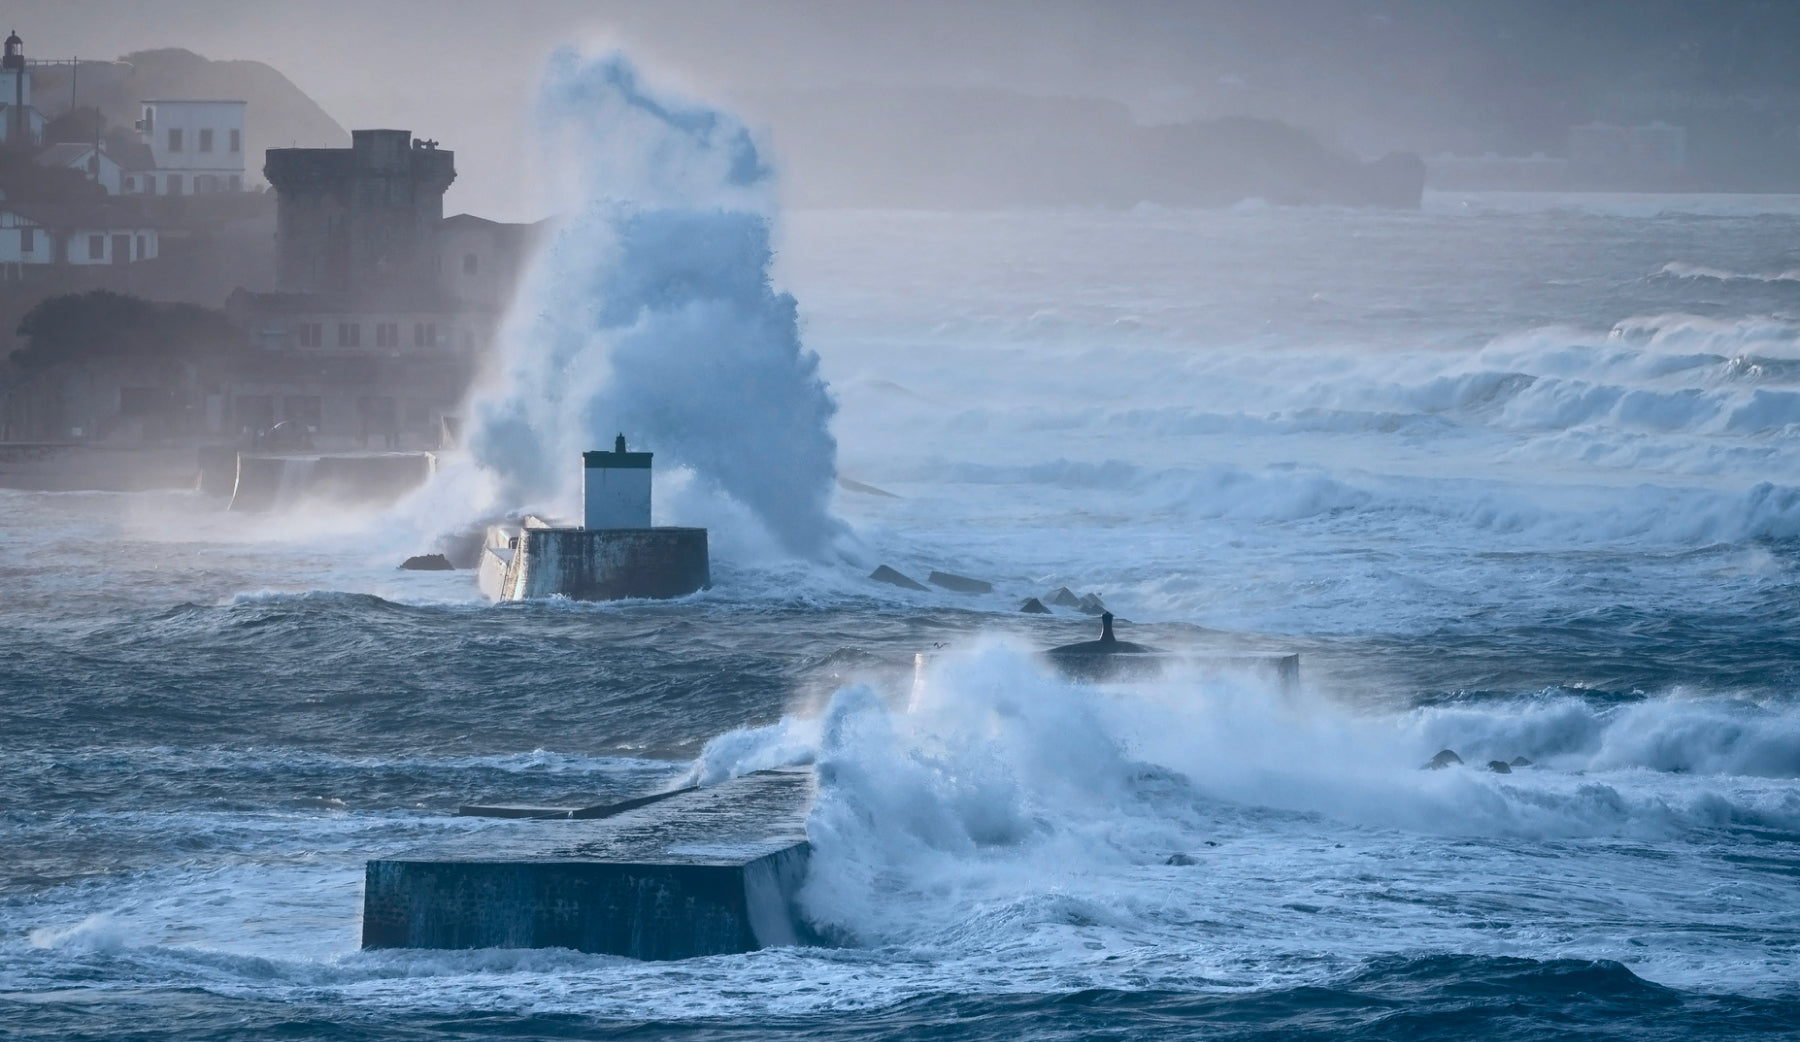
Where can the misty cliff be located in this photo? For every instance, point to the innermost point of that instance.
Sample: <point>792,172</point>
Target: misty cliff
<point>958,148</point>
<point>279,113</point>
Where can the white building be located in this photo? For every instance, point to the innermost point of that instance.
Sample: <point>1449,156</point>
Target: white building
<point>198,146</point>
<point>24,240</point>
<point>74,233</point>
<point>92,162</point>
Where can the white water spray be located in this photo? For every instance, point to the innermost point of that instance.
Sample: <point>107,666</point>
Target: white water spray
<point>650,311</point>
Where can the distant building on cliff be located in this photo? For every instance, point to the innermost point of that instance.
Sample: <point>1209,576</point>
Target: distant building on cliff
<point>362,219</point>
<point>196,147</point>
<point>381,314</point>
<point>73,235</point>
<point>89,160</point>
<point>383,308</point>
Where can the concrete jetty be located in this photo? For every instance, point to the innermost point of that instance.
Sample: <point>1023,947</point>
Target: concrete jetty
<point>701,871</point>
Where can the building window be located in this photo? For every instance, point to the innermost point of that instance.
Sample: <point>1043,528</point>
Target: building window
<point>174,139</point>
<point>237,141</point>
<point>387,334</point>
<point>174,184</point>
<point>424,334</point>
<point>131,184</point>
<point>27,240</point>
<point>206,139</point>
<point>143,247</point>
<point>470,263</point>
<point>312,334</point>
<point>349,334</point>
<point>96,247</point>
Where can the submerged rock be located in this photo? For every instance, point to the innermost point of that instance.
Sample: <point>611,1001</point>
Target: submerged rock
<point>884,574</point>
<point>1182,859</point>
<point>1033,606</point>
<point>867,490</point>
<point>1106,645</point>
<point>1107,658</point>
<point>1443,759</point>
<point>1499,767</point>
<point>428,563</point>
<point>1520,761</point>
<point>1062,597</point>
<point>1090,603</point>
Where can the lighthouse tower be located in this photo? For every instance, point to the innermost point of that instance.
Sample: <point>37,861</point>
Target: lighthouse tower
<point>15,94</point>
<point>615,488</point>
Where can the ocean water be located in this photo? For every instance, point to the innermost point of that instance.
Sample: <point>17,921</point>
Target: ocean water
<point>1514,475</point>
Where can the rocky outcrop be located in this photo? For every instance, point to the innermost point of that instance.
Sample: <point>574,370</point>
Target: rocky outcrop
<point>427,563</point>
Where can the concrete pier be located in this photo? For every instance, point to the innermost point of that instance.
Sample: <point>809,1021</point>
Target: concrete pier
<point>706,871</point>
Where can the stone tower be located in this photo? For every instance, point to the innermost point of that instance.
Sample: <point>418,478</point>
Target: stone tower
<point>362,219</point>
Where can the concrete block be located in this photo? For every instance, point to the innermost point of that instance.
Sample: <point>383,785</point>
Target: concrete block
<point>706,871</point>
<point>884,574</point>
<point>959,583</point>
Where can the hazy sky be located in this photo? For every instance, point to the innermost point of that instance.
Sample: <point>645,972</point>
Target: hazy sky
<point>462,71</point>
<point>1370,75</point>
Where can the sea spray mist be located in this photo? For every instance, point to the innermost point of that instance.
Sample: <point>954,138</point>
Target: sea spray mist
<point>650,312</point>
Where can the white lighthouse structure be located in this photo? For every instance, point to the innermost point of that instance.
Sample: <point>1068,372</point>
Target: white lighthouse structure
<point>615,488</point>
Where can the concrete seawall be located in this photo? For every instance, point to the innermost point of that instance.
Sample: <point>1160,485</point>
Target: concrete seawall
<point>274,481</point>
<point>704,872</point>
<point>65,467</point>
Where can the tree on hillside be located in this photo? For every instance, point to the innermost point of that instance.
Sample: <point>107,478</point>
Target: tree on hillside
<point>83,327</point>
<point>24,181</point>
<point>80,126</point>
